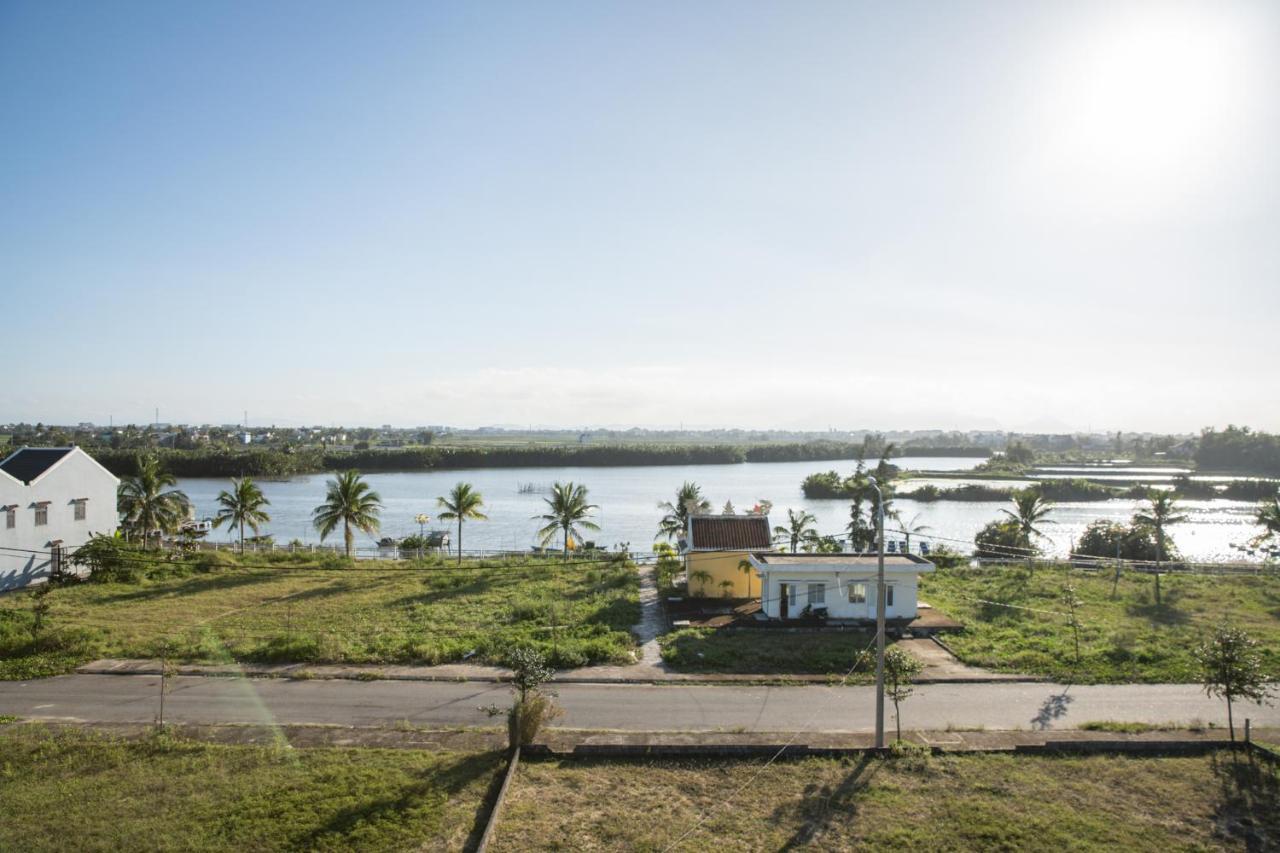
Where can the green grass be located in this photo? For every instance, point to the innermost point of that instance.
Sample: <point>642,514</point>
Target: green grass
<point>1127,638</point>
<point>72,790</point>
<point>765,652</point>
<point>960,803</point>
<point>387,613</point>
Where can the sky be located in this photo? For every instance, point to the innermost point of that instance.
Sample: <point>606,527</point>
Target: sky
<point>1019,215</point>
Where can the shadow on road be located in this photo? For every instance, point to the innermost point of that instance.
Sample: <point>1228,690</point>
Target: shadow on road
<point>1054,708</point>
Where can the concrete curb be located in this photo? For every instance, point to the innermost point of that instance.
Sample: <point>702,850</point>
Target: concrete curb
<point>324,672</point>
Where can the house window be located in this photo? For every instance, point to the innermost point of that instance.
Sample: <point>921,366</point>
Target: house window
<point>79,503</point>
<point>817,594</point>
<point>857,593</point>
<point>791,594</point>
<point>10,517</point>
<point>888,595</point>
<point>42,514</point>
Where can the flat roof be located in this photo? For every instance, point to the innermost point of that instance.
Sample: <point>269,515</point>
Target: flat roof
<point>858,561</point>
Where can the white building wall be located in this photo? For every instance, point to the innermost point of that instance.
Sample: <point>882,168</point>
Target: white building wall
<point>74,476</point>
<point>836,593</point>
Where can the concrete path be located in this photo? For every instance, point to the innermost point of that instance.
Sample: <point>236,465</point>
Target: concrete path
<point>114,698</point>
<point>653,622</point>
<point>941,665</point>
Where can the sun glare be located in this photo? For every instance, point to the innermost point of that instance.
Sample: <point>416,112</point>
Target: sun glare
<point>1150,105</point>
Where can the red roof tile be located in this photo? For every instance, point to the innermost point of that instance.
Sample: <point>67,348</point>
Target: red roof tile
<point>730,533</point>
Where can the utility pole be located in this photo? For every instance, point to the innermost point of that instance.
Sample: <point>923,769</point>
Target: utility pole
<point>879,613</point>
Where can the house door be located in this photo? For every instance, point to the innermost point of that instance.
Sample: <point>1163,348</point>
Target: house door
<point>784,592</point>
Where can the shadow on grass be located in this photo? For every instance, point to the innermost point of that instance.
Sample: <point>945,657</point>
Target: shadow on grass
<point>432,791</point>
<point>1158,614</point>
<point>191,586</point>
<point>1248,807</point>
<point>823,804</point>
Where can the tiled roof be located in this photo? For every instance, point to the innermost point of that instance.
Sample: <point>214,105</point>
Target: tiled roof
<point>730,533</point>
<point>30,462</point>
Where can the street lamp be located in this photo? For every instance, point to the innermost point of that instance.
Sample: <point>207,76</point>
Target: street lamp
<point>879,613</point>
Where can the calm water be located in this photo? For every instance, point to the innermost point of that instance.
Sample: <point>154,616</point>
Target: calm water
<point>628,499</point>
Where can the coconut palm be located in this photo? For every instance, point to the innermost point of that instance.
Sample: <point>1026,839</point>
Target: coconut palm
<point>349,502</point>
<point>242,505</point>
<point>1030,510</point>
<point>726,588</point>
<point>1163,512</point>
<point>689,500</point>
<point>912,528</point>
<point>465,504</point>
<point>746,568</point>
<point>798,529</point>
<point>1269,517</point>
<point>147,503</point>
<point>703,577</point>
<point>568,511</point>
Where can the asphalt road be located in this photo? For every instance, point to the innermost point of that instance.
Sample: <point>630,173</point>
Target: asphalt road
<point>134,698</point>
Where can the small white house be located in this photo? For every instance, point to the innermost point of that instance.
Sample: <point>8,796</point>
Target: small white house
<point>844,585</point>
<point>51,500</point>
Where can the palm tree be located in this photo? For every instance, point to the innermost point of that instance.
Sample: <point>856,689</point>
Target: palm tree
<point>146,502</point>
<point>242,505</point>
<point>911,528</point>
<point>1269,517</point>
<point>689,500</point>
<point>1163,512</point>
<point>464,503</point>
<point>1030,509</point>
<point>569,510</point>
<point>726,587</point>
<point>746,568</point>
<point>348,502</point>
<point>799,528</point>
<point>703,577</point>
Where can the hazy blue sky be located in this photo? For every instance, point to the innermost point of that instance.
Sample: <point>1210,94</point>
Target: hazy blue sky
<point>798,214</point>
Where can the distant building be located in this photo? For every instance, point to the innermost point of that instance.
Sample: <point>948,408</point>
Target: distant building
<point>51,500</point>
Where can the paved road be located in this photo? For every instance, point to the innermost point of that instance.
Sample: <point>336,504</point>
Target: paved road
<point>133,698</point>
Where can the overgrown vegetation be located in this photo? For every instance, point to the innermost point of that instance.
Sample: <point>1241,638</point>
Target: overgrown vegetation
<point>213,606</point>
<point>767,652</point>
<point>1015,621</point>
<point>66,789</point>
<point>910,802</point>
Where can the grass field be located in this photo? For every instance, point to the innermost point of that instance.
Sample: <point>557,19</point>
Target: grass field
<point>1125,638</point>
<point>960,803</point>
<point>70,790</point>
<point>380,613</point>
<point>766,652</point>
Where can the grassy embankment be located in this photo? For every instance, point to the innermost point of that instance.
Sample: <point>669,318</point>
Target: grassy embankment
<point>960,802</point>
<point>70,790</point>
<point>302,610</point>
<point>1123,639</point>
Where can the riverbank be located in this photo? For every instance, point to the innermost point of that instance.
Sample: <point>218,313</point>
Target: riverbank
<point>287,462</point>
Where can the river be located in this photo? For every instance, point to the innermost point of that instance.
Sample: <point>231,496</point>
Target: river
<point>628,498</point>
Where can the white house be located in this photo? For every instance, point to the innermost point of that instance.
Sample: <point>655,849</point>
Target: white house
<point>844,585</point>
<point>51,499</point>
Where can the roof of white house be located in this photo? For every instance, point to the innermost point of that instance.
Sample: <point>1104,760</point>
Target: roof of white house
<point>28,464</point>
<point>841,562</point>
<point>729,533</point>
